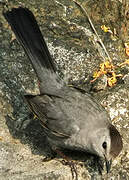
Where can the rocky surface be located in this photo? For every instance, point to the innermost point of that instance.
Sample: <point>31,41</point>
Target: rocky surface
<point>77,55</point>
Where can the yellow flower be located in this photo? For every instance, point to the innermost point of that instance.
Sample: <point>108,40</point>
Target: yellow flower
<point>106,29</point>
<point>127,48</point>
<point>108,69</point>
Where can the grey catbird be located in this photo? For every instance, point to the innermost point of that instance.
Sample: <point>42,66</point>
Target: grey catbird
<point>71,118</point>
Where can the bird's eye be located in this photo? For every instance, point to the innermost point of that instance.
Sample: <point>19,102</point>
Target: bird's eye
<point>104,145</point>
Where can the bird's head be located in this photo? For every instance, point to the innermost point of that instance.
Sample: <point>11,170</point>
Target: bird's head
<point>108,144</point>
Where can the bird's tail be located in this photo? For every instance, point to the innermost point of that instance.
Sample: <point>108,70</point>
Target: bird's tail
<point>26,29</point>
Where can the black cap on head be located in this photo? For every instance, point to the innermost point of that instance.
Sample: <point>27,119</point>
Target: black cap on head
<point>116,142</point>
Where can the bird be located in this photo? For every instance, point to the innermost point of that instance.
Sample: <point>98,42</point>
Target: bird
<point>72,119</point>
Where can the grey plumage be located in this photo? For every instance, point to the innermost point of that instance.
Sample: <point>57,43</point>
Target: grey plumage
<point>71,119</point>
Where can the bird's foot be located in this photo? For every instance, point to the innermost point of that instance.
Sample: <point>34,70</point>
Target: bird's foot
<point>68,162</point>
<point>73,168</point>
<point>48,158</point>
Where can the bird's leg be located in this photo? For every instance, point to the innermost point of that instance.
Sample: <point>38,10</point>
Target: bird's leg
<point>69,162</point>
<point>73,167</point>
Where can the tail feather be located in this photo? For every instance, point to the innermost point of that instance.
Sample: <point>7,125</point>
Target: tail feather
<point>26,29</point>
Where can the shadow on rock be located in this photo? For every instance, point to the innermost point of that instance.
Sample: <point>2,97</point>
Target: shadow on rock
<point>33,135</point>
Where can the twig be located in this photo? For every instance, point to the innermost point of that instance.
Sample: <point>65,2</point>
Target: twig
<point>89,19</point>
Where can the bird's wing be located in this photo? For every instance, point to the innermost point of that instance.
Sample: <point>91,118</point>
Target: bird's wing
<point>69,114</point>
<point>51,116</point>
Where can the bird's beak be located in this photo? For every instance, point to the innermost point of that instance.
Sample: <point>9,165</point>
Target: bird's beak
<point>108,164</point>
